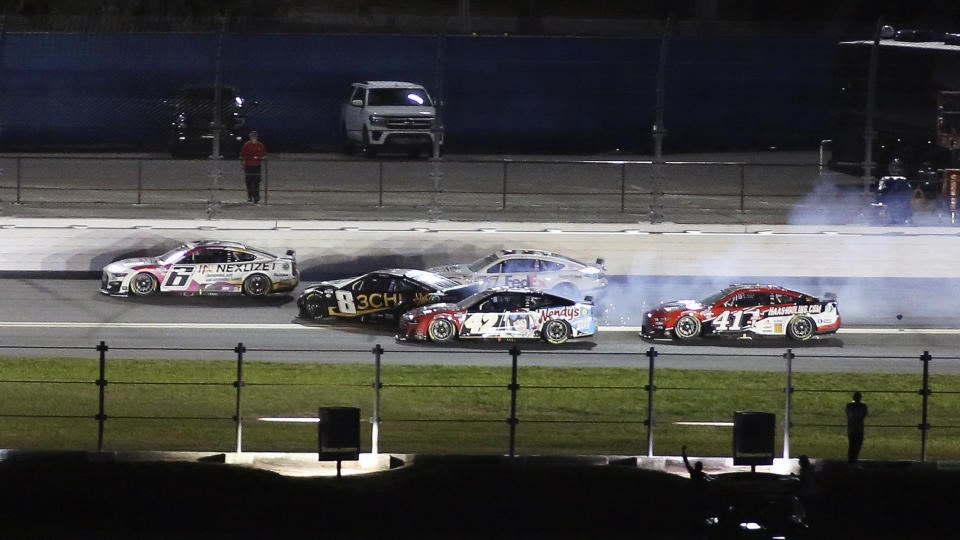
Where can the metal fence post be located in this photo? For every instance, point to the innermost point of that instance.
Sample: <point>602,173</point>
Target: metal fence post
<point>380,188</point>
<point>102,383</point>
<point>788,391</point>
<point>239,384</point>
<point>925,393</point>
<point>503,204</point>
<point>375,419</point>
<point>650,388</point>
<point>742,189</point>
<point>512,421</point>
<point>266,184</point>
<point>623,187</point>
<point>139,181</point>
<point>18,180</point>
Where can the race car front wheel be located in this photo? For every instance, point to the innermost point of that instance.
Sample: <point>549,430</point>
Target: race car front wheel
<point>555,332</point>
<point>256,285</point>
<point>801,328</point>
<point>441,330</point>
<point>312,307</point>
<point>687,327</point>
<point>143,284</point>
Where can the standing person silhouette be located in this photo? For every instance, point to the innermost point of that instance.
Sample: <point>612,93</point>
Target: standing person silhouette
<point>252,155</point>
<point>856,414</point>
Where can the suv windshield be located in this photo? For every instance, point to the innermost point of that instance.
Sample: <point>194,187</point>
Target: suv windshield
<point>398,97</point>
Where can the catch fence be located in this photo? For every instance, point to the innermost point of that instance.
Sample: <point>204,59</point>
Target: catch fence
<point>507,406</point>
<point>678,191</point>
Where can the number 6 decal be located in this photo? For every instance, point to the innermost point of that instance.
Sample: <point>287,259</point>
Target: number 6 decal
<point>175,279</point>
<point>345,302</point>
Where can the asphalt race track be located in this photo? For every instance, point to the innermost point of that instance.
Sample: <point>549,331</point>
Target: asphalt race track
<point>71,313</point>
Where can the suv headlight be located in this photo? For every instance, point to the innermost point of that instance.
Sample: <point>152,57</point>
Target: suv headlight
<point>377,120</point>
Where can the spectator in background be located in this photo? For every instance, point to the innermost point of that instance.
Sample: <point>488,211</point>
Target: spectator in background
<point>856,414</point>
<point>252,155</point>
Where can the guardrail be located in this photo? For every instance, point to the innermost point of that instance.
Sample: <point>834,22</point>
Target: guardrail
<point>656,190</point>
<point>509,412</point>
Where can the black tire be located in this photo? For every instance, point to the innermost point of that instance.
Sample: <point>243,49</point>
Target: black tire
<point>801,328</point>
<point>368,148</point>
<point>555,332</point>
<point>313,307</point>
<point>687,327</point>
<point>256,285</point>
<point>441,330</point>
<point>144,284</point>
<point>568,290</point>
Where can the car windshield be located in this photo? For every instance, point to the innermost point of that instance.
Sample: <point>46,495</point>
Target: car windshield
<point>173,255</point>
<point>433,280</point>
<point>716,297</point>
<point>409,97</point>
<point>481,263</point>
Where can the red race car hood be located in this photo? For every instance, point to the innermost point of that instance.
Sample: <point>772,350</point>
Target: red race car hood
<point>676,305</point>
<point>435,308</point>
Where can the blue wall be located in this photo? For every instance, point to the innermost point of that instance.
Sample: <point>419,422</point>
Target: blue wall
<point>502,94</point>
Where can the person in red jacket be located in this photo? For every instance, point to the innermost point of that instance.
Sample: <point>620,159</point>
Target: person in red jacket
<point>252,155</point>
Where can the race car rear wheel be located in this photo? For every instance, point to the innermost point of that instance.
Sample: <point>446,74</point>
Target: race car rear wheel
<point>143,284</point>
<point>555,332</point>
<point>687,327</point>
<point>441,330</point>
<point>801,328</point>
<point>256,285</point>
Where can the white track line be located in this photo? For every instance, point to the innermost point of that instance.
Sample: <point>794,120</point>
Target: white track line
<point>291,326</point>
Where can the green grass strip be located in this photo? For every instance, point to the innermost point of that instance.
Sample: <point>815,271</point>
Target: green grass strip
<point>51,403</point>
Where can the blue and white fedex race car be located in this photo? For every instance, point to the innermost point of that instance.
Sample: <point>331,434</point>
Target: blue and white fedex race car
<point>501,313</point>
<point>533,269</point>
<point>203,267</point>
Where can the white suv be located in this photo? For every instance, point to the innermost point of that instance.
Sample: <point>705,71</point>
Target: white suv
<point>390,115</point>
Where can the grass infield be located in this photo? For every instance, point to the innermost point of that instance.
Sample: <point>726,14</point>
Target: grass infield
<point>51,403</point>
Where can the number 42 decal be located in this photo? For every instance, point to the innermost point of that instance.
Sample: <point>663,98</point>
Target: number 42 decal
<point>734,320</point>
<point>479,323</point>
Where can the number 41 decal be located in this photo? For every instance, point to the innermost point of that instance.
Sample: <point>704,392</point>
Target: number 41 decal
<point>740,319</point>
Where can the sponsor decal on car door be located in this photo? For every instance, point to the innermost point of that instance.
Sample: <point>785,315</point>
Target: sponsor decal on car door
<point>179,278</point>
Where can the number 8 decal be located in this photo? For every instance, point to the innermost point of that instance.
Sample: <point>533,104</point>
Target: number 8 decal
<point>345,302</point>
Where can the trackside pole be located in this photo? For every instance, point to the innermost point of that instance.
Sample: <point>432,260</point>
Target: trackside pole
<point>925,393</point>
<point>788,396</point>
<point>650,388</point>
<point>512,421</point>
<point>239,384</point>
<point>375,419</point>
<point>102,383</point>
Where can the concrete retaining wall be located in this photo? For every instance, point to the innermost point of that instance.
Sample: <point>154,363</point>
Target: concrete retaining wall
<point>348,248</point>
